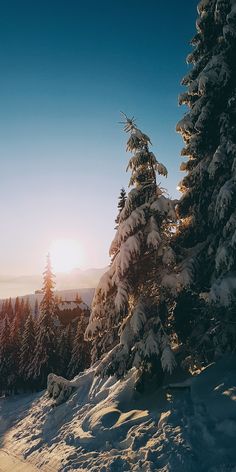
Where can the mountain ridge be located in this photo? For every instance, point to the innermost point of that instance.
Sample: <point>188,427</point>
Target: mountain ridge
<point>76,279</point>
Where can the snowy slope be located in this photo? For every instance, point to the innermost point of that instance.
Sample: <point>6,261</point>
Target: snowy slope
<point>104,427</point>
<point>85,293</point>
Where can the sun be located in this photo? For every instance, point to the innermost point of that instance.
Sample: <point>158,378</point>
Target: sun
<point>66,254</point>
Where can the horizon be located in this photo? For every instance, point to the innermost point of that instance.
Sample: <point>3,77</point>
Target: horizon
<point>74,279</point>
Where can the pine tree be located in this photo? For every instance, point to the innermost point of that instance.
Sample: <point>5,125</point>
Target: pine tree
<point>36,308</point>
<point>44,360</point>
<point>22,309</point>
<point>9,309</point>
<point>5,352</point>
<point>3,310</point>
<point>48,302</point>
<point>15,338</point>
<point>64,350</point>
<point>27,349</point>
<point>121,204</point>
<point>129,295</point>
<point>17,305</point>
<point>80,356</point>
<point>206,238</point>
<point>23,313</point>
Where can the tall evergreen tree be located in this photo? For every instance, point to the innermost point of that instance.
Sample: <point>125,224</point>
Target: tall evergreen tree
<point>17,305</point>
<point>64,350</point>
<point>44,360</point>
<point>36,308</point>
<point>206,239</point>
<point>121,204</point>
<point>5,353</point>
<point>15,339</point>
<point>80,356</point>
<point>22,310</point>
<point>23,313</point>
<point>27,349</point>
<point>130,294</point>
<point>9,309</point>
<point>47,304</point>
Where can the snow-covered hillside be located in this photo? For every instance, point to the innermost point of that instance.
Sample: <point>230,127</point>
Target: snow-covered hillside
<point>104,427</point>
<point>85,293</point>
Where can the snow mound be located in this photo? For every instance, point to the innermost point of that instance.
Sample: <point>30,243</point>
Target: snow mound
<point>59,388</point>
<point>105,426</point>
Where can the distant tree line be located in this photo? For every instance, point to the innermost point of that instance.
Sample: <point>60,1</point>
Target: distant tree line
<point>35,341</point>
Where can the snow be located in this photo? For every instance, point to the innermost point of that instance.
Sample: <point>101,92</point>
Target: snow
<point>202,6</point>
<point>105,283</point>
<point>215,74</point>
<point>223,290</point>
<point>151,345</point>
<point>168,360</point>
<point>121,298</point>
<point>183,166</point>
<point>138,318</point>
<point>10,463</point>
<point>106,426</point>
<point>168,256</point>
<point>67,295</point>
<point>128,251</point>
<point>165,206</point>
<point>161,169</point>
<point>153,239</point>
<point>218,160</point>
<point>70,305</point>
<point>170,282</point>
<point>127,227</point>
<point>224,199</point>
<point>136,138</point>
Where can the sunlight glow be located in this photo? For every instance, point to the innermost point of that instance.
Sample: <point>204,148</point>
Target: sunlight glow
<point>66,254</point>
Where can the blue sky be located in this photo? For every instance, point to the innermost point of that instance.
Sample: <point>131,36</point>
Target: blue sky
<point>67,69</point>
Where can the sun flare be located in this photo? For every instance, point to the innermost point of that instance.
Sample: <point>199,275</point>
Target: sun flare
<point>66,254</point>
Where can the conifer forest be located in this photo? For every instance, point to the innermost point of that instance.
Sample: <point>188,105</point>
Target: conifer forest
<point>141,376</point>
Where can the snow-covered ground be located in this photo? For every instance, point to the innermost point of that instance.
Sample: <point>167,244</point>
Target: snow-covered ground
<point>104,427</point>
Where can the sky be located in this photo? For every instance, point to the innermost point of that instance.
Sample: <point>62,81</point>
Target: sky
<point>68,67</point>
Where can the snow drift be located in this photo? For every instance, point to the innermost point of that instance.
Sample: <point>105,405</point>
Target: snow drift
<point>105,425</point>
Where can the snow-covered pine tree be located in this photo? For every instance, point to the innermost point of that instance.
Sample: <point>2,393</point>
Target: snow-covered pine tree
<point>5,352</point>
<point>9,309</point>
<point>129,295</point>
<point>26,352</point>
<point>207,235</point>
<point>121,204</point>
<point>36,308</point>
<point>44,360</point>
<point>15,339</point>
<point>22,308</point>
<point>64,350</point>
<point>16,306</point>
<point>23,313</point>
<point>47,304</point>
<point>80,356</point>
